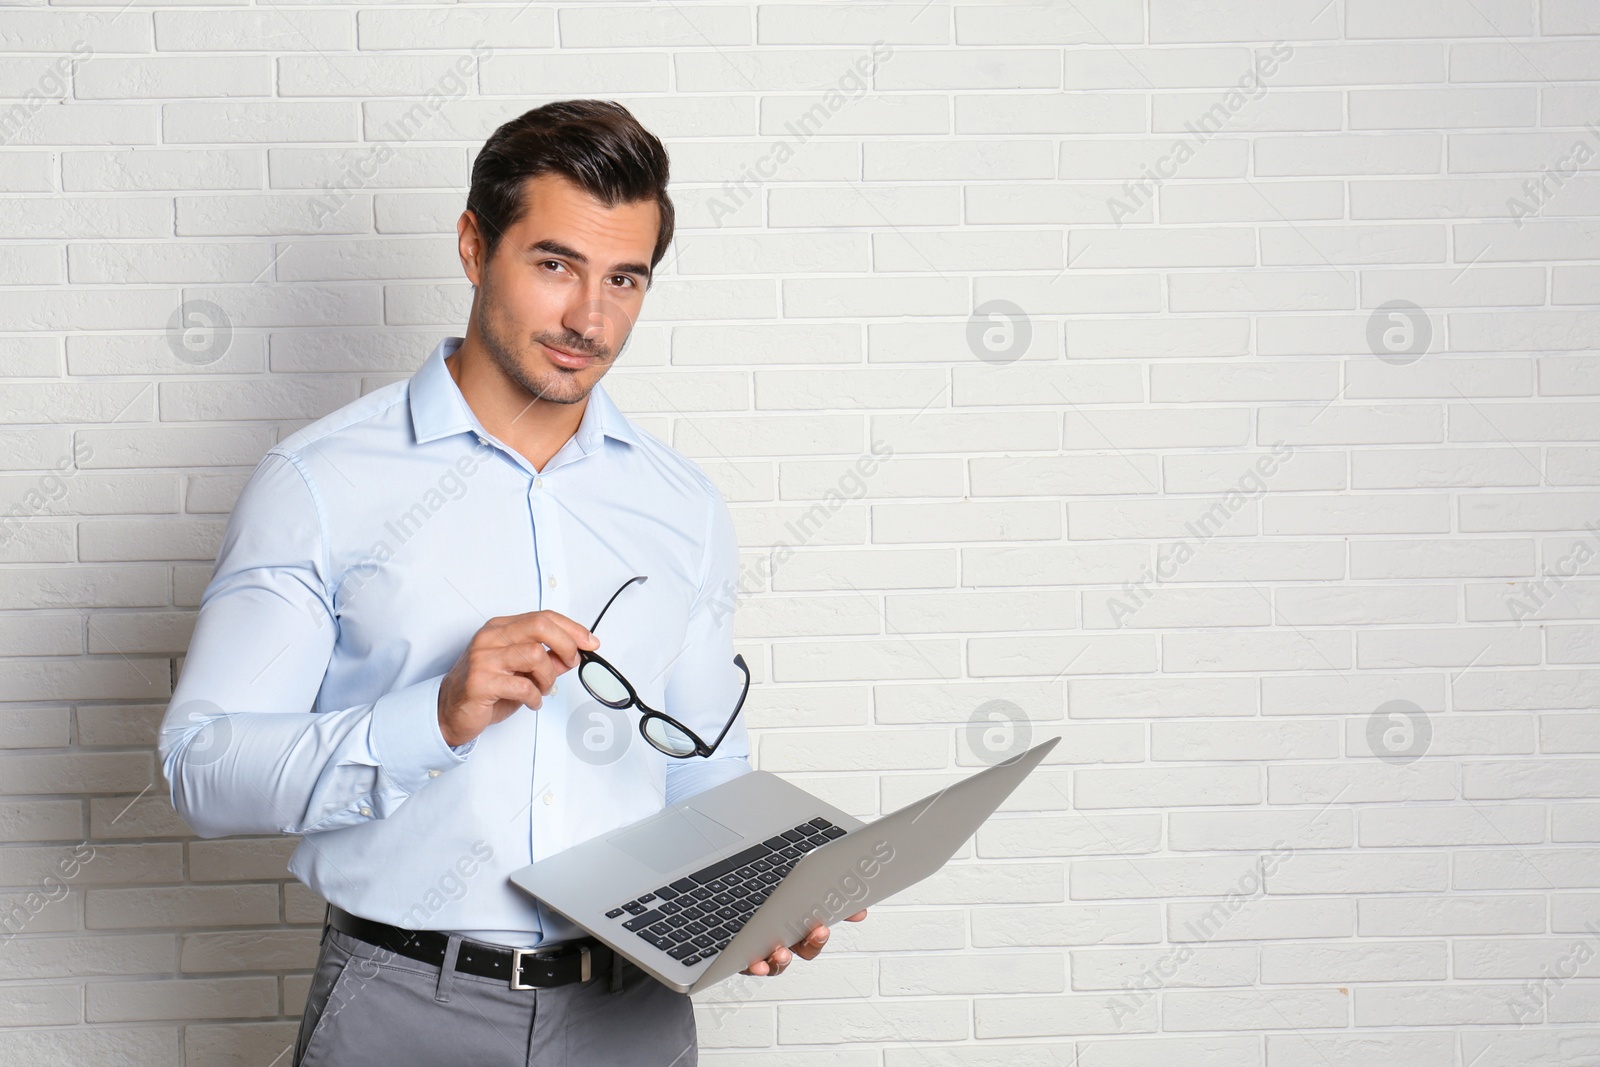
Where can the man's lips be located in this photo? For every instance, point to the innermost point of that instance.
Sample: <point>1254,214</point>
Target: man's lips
<point>568,359</point>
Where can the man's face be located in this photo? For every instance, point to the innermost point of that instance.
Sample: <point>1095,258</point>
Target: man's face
<point>570,275</point>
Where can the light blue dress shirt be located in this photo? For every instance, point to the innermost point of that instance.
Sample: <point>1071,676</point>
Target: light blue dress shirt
<point>362,555</point>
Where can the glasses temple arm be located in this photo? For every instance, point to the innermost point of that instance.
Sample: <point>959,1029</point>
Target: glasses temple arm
<point>739,662</point>
<point>630,581</point>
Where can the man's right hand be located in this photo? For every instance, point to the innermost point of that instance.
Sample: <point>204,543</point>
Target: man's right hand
<point>511,661</point>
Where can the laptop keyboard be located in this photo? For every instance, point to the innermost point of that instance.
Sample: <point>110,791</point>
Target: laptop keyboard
<point>695,917</point>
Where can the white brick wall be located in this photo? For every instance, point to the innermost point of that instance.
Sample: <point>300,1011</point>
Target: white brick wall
<point>1308,584</point>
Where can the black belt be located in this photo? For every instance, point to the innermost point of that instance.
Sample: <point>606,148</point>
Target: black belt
<point>522,968</point>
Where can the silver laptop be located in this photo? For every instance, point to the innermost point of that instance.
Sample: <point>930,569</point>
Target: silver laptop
<point>708,886</point>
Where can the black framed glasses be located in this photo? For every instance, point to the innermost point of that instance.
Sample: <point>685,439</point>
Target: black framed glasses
<point>607,685</point>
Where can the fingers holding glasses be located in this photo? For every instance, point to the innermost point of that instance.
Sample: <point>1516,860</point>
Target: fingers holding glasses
<point>510,662</point>
<point>537,629</point>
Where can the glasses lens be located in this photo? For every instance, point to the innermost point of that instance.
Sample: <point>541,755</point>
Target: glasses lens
<point>603,684</point>
<point>667,737</point>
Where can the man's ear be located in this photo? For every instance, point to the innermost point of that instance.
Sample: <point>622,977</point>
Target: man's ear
<point>469,245</point>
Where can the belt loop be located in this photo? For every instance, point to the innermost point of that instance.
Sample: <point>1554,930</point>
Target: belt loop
<point>327,922</point>
<point>447,970</point>
<point>616,971</point>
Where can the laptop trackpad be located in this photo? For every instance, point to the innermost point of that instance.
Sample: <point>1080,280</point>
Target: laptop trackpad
<point>674,838</point>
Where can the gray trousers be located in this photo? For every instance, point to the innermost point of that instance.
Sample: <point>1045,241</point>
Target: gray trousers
<point>370,1006</point>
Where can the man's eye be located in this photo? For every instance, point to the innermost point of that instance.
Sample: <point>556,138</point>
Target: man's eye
<point>625,278</point>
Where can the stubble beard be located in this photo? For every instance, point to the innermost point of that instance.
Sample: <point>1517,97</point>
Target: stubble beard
<point>555,385</point>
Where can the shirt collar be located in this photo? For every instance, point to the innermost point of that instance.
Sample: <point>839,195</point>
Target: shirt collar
<point>438,409</point>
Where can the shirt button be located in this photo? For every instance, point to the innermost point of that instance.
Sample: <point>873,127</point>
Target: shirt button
<point>433,774</point>
<point>554,689</point>
<point>538,483</point>
<point>366,811</point>
<point>552,581</point>
<point>482,440</point>
<point>549,798</point>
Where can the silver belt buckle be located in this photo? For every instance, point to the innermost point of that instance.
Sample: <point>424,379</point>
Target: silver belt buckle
<point>516,967</point>
<point>584,970</point>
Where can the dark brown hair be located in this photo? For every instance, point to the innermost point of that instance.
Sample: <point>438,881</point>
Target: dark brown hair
<point>596,144</point>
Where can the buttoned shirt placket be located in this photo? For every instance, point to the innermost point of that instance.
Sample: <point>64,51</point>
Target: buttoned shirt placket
<point>548,784</point>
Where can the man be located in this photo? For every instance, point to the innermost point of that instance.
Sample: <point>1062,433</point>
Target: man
<point>368,669</point>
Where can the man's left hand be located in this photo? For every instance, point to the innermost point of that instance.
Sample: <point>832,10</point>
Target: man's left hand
<point>806,948</point>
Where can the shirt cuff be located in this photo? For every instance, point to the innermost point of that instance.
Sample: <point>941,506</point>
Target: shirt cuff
<point>406,738</point>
